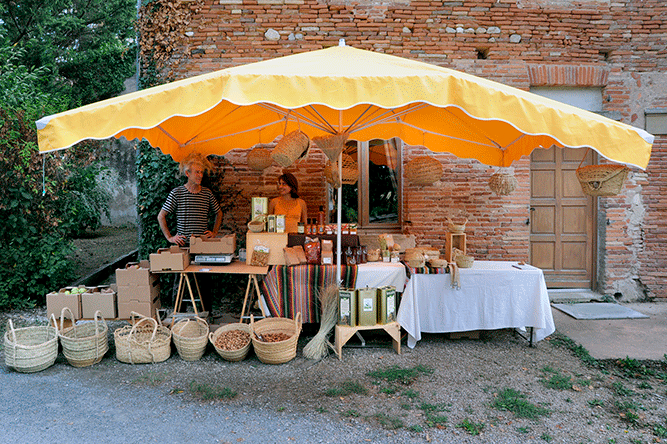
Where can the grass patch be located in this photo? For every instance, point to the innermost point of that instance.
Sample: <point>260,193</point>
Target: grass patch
<point>153,379</point>
<point>416,428</point>
<point>660,430</point>
<point>556,380</point>
<point>207,392</point>
<point>633,368</point>
<point>580,352</point>
<point>628,411</point>
<point>388,422</point>
<point>595,403</point>
<point>411,394</point>
<point>432,413</point>
<point>347,388</point>
<point>473,428</point>
<point>547,437</point>
<point>350,414</point>
<point>396,374</point>
<point>432,408</point>
<point>621,390</point>
<point>511,400</point>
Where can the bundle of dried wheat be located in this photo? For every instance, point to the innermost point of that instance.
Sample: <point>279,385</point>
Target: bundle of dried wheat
<point>317,347</point>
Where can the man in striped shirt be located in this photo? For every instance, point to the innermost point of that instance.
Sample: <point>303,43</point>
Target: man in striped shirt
<point>191,203</point>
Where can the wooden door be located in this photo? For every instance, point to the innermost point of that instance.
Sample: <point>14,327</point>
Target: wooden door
<point>562,219</point>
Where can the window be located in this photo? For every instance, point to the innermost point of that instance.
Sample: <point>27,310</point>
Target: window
<point>374,200</point>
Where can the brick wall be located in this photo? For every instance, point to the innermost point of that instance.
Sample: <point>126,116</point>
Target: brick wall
<point>618,46</point>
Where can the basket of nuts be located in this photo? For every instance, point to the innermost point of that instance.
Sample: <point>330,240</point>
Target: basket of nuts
<point>275,339</point>
<point>232,341</point>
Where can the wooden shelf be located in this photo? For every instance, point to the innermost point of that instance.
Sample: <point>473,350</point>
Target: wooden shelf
<point>454,240</point>
<point>344,333</point>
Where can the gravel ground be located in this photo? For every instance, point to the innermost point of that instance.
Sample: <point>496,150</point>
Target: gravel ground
<point>453,390</point>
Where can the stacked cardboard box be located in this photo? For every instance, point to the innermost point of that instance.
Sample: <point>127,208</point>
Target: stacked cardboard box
<point>102,298</point>
<point>138,290</point>
<point>69,297</point>
<point>173,258</point>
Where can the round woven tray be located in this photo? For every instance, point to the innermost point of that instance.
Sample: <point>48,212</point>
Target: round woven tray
<point>423,170</point>
<point>144,342</point>
<point>231,355</point>
<point>190,337</point>
<point>31,349</point>
<point>84,344</point>
<point>276,352</point>
<point>259,159</point>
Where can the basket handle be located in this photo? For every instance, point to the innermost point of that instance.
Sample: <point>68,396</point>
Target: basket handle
<point>584,158</point>
<point>53,319</point>
<point>143,319</point>
<point>98,315</point>
<point>297,320</point>
<point>62,319</point>
<point>11,327</point>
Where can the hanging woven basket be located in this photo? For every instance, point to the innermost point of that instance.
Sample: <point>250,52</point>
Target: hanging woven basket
<point>350,172</point>
<point>503,183</point>
<point>291,148</point>
<point>423,170</point>
<point>602,180</point>
<point>331,145</point>
<point>259,159</point>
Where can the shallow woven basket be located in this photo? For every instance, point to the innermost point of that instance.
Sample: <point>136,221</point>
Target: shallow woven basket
<point>438,263</point>
<point>84,344</point>
<point>464,261</point>
<point>144,342</point>
<point>350,172</point>
<point>503,183</point>
<point>231,355</point>
<point>331,145</point>
<point>456,228</point>
<point>190,337</point>
<point>602,180</point>
<point>290,148</point>
<point>31,349</point>
<point>257,225</point>
<point>423,170</point>
<point>276,352</point>
<point>259,159</point>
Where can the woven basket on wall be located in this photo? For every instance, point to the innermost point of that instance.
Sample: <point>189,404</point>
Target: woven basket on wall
<point>503,183</point>
<point>423,170</point>
<point>291,148</point>
<point>331,145</point>
<point>350,172</point>
<point>602,180</point>
<point>259,159</point>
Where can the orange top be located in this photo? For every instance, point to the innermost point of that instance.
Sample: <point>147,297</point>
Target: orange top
<point>292,210</point>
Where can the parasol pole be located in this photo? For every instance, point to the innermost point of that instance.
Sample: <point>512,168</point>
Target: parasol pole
<point>338,210</point>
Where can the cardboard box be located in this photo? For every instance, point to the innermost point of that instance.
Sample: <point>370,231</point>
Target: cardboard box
<point>367,306</point>
<point>102,299</point>
<point>135,273</point>
<point>275,241</point>
<point>213,245</point>
<point>140,293</point>
<point>56,301</point>
<point>173,258</point>
<point>347,300</point>
<point>386,304</point>
<point>145,308</point>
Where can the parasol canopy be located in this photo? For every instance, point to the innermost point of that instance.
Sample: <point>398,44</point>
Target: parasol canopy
<point>369,95</point>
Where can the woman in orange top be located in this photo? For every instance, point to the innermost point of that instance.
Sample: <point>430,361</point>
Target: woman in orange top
<point>289,203</point>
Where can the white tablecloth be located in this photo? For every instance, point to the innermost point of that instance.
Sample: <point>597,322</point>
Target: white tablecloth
<point>379,274</point>
<point>493,295</point>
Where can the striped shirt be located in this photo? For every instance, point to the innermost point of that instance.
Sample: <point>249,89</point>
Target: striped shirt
<point>191,210</point>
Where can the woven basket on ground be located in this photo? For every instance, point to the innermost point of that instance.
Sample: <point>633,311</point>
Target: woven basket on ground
<point>84,344</point>
<point>144,342</point>
<point>31,349</point>
<point>190,337</point>
<point>331,145</point>
<point>276,352</point>
<point>503,183</point>
<point>259,159</point>
<point>602,180</point>
<point>423,170</point>
<point>290,148</point>
<point>350,172</point>
<point>464,261</point>
<point>231,355</point>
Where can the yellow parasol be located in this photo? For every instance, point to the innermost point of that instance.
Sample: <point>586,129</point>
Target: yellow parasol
<point>342,89</point>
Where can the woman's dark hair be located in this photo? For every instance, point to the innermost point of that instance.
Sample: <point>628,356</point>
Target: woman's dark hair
<point>290,180</point>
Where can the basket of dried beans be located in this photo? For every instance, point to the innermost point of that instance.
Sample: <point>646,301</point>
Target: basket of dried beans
<point>275,339</point>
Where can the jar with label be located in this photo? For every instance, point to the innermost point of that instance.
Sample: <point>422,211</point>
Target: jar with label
<point>271,223</point>
<point>301,228</point>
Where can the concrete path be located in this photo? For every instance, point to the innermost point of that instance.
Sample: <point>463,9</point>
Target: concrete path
<point>615,338</point>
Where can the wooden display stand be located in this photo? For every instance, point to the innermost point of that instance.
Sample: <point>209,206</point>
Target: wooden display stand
<point>454,240</point>
<point>344,333</point>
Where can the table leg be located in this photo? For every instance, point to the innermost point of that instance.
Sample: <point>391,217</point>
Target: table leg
<point>192,297</point>
<point>179,295</point>
<point>245,298</point>
<point>259,295</point>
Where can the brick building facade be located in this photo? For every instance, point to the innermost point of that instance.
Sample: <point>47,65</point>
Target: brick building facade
<point>616,46</point>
